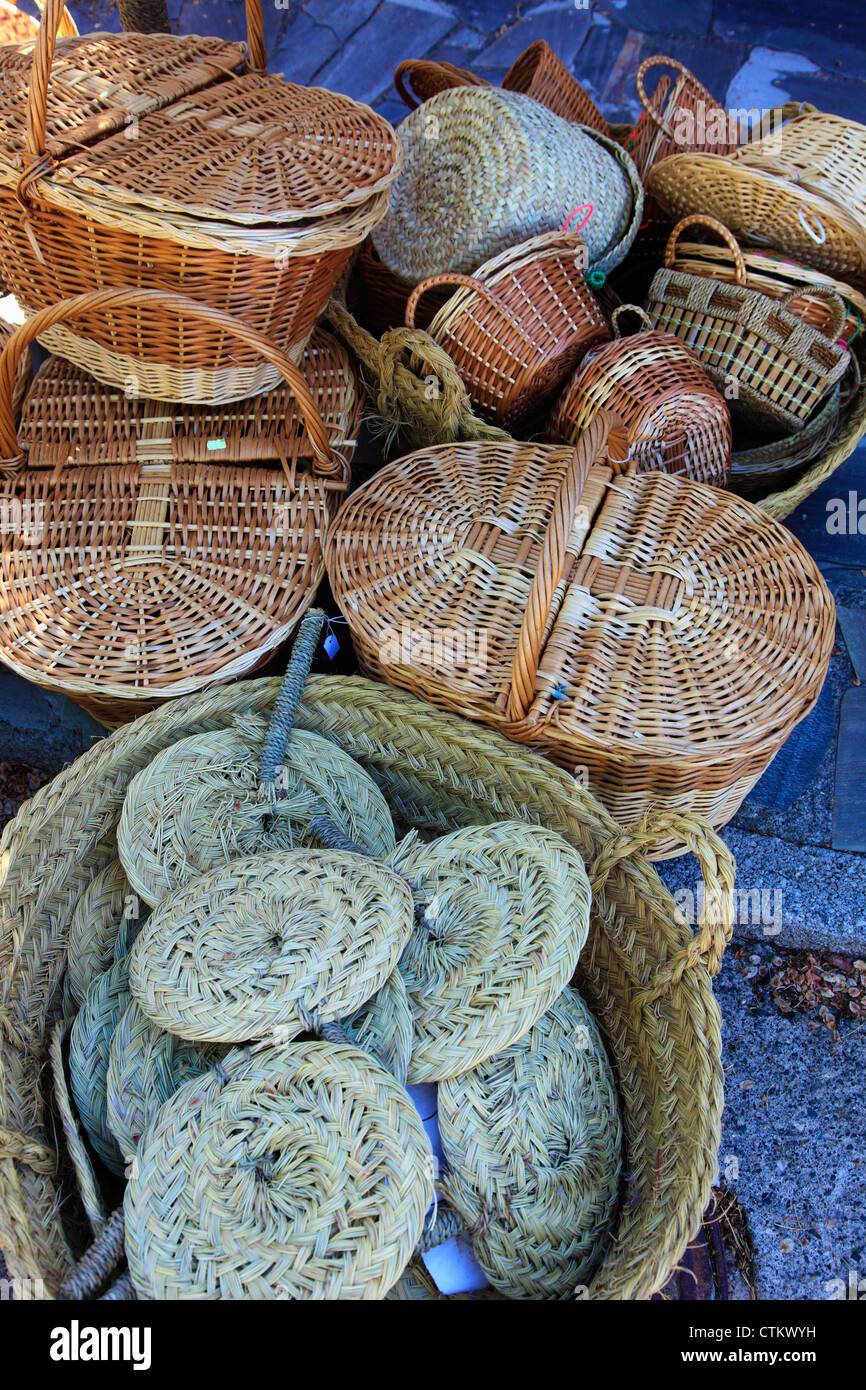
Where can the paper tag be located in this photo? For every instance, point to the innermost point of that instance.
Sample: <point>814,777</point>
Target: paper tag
<point>217,444</point>
<point>332,646</point>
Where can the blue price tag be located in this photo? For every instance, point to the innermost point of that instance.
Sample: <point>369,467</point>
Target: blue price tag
<point>332,646</point>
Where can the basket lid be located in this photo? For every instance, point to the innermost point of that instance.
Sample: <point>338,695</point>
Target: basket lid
<point>680,622</point>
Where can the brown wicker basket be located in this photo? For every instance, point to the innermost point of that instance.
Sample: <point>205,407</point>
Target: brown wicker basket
<point>643,974</point>
<point>680,116</point>
<point>674,417</point>
<point>538,73</point>
<point>24,371</point>
<point>772,366</point>
<point>516,328</point>
<point>774,463</point>
<point>166,548</point>
<point>17,26</point>
<point>378,298</point>
<point>589,612</point>
<point>179,164</point>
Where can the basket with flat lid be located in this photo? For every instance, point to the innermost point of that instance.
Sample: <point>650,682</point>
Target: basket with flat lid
<point>165,549</point>
<point>659,636</point>
<point>773,367</point>
<point>515,328</point>
<point>675,418</point>
<point>800,190</point>
<point>501,169</point>
<point>178,163</point>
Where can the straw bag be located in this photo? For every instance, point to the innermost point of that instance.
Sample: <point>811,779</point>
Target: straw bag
<point>674,417</point>
<point>178,164</point>
<point>164,548</point>
<point>800,190</point>
<point>643,975</point>
<point>538,73</point>
<point>773,367</point>
<point>515,328</point>
<point>485,169</point>
<point>658,636</point>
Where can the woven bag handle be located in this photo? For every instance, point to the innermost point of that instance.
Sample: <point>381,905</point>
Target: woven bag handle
<point>452,75</point>
<point>718,870</point>
<point>325,461</point>
<point>659,60</point>
<point>642,314</point>
<point>699,219</point>
<point>836,302</point>
<point>43,56</point>
<point>604,433</point>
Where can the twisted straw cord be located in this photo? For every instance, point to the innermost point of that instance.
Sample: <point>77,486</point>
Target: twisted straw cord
<point>95,1266</point>
<point>286,705</point>
<point>15,1145</point>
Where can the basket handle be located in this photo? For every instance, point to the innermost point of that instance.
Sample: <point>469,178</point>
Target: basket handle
<point>454,77</point>
<point>658,60</point>
<point>642,314</point>
<point>698,219</point>
<point>604,434</point>
<point>836,302</point>
<point>718,871</point>
<point>43,56</point>
<point>326,462</point>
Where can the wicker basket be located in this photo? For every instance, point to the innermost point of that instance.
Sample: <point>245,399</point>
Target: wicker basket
<point>378,298</point>
<point>679,116</point>
<point>189,170</point>
<point>643,975</point>
<point>771,464</point>
<point>590,613</point>
<point>486,169</point>
<point>772,366</point>
<point>17,26</point>
<point>538,73</point>
<point>166,549</point>
<point>23,373</point>
<point>515,329</point>
<point>801,190</point>
<point>674,417</point>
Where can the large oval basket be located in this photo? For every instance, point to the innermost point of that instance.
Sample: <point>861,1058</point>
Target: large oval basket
<point>646,978</point>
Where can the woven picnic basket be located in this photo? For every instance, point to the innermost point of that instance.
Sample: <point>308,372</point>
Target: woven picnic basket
<point>800,190</point>
<point>516,328</point>
<point>773,366</point>
<point>674,417</point>
<point>23,373</point>
<point>655,636</point>
<point>178,164</point>
<point>538,73</point>
<point>485,169</point>
<point>167,547</point>
<point>644,976</point>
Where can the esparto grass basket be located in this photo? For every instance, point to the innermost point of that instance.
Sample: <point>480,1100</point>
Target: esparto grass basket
<point>165,547</point>
<point>655,636</point>
<point>674,417</point>
<point>178,164</point>
<point>645,977</point>
<point>516,328</point>
<point>772,365</point>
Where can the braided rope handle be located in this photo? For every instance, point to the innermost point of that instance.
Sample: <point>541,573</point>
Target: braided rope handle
<point>647,324</point>
<point>98,1261</point>
<point>604,434</point>
<point>831,297</point>
<point>325,461</point>
<point>453,77</point>
<point>699,219</point>
<point>43,56</point>
<point>718,870</point>
<point>289,696</point>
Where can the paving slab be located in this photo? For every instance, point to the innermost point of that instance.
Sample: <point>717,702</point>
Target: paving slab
<point>849,806</point>
<point>564,26</point>
<point>793,1141</point>
<point>364,66</point>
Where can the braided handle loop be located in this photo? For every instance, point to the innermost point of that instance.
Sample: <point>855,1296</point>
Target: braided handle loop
<point>646,322</point>
<point>716,923</point>
<point>289,695</point>
<point>325,461</point>
<point>444,75</point>
<point>698,219</point>
<point>97,1263</point>
<point>604,434</point>
<point>836,302</point>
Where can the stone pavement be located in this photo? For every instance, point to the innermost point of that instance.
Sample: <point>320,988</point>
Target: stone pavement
<point>793,1127</point>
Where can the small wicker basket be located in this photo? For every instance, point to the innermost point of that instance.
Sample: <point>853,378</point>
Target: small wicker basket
<point>516,328</point>
<point>762,466</point>
<point>772,366</point>
<point>589,612</point>
<point>681,115</point>
<point>674,416</point>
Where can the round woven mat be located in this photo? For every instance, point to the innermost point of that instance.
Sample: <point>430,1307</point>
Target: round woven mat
<point>89,1048</point>
<point>295,1172</point>
<point>383,1027</point>
<point>532,1139</point>
<point>268,942</point>
<point>106,921</point>
<point>486,169</point>
<point>199,805</point>
<point>501,914</point>
<point>146,1066</point>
